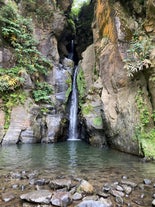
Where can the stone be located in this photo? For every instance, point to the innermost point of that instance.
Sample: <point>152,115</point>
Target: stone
<point>68,63</point>
<point>60,183</point>
<point>127,189</point>
<point>130,183</point>
<point>6,197</point>
<point>106,187</point>
<point>116,193</point>
<point>19,121</point>
<point>147,181</point>
<point>76,196</point>
<point>91,203</point>
<point>106,202</point>
<point>119,200</point>
<point>93,197</point>
<point>86,187</point>
<point>153,202</point>
<point>61,199</point>
<point>119,188</point>
<point>40,182</point>
<point>102,194</point>
<point>40,196</point>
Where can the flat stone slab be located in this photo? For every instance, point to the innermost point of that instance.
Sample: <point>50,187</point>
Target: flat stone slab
<point>39,196</point>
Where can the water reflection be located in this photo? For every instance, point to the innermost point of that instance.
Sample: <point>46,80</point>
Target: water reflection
<point>72,157</point>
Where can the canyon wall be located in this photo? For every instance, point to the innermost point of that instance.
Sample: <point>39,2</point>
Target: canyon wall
<point>125,96</point>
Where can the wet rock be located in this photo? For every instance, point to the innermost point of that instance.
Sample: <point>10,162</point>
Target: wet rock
<point>93,197</point>
<point>61,199</point>
<point>153,202</point>
<point>40,182</point>
<point>32,175</point>
<point>77,196</point>
<point>60,183</point>
<point>40,196</point>
<point>119,188</point>
<point>68,63</point>
<point>106,187</point>
<point>116,193</point>
<point>102,194</point>
<point>124,177</point>
<point>106,202</point>
<point>119,200</point>
<point>147,181</point>
<point>127,189</point>
<point>91,203</point>
<point>15,186</point>
<point>86,187</point>
<point>6,197</point>
<point>126,182</point>
<point>16,175</point>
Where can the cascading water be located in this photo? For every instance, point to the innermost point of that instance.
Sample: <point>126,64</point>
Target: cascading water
<point>73,113</point>
<point>73,117</point>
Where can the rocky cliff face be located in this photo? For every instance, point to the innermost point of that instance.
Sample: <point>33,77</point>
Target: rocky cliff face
<point>124,101</point>
<point>32,121</point>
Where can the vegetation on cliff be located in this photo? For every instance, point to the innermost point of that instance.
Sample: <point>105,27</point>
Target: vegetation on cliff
<point>17,35</point>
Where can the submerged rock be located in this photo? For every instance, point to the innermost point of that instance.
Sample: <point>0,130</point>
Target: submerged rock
<point>60,183</point>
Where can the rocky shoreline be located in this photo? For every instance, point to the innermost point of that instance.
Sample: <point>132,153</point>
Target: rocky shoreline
<point>35,189</point>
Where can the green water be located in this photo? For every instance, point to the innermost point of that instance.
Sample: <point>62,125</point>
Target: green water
<point>73,158</point>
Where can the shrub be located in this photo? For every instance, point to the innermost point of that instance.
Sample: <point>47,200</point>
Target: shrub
<point>138,56</point>
<point>42,92</point>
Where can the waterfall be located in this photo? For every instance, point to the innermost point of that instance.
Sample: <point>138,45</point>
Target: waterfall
<point>73,115</point>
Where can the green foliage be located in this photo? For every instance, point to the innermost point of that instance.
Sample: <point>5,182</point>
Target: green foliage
<point>144,113</point>
<point>42,92</point>
<point>77,5</point>
<point>17,31</point>
<point>86,109</point>
<point>10,79</point>
<point>97,121</point>
<point>147,140</point>
<point>69,84</point>
<point>81,84</point>
<point>138,55</point>
<point>145,136</point>
<point>71,25</point>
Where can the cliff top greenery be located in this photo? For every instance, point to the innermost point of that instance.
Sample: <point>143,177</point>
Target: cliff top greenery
<point>77,5</point>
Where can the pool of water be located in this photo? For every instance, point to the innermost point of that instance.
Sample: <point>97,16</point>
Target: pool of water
<point>74,158</point>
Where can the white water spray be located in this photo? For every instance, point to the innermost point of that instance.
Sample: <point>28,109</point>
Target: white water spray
<point>73,116</point>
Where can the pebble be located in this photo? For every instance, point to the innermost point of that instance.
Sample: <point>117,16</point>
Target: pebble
<point>153,202</point>
<point>6,197</point>
<point>147,181</point>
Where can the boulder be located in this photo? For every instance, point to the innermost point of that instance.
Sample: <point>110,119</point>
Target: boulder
<point>61,199</point>
<point>86,187</point>
<point>40,196</point>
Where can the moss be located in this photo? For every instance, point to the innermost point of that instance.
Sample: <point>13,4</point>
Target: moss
<point>69,83</point>
<point>87,109</point>
<point>97,121</point>
<point>81,84</point>
<point>148,144</point>
<point>144,134</point>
